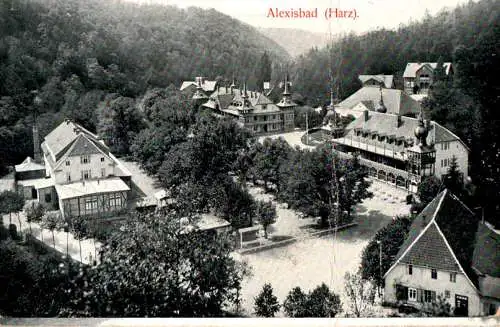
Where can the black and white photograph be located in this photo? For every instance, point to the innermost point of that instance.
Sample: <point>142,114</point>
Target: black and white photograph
<point>237,160</point>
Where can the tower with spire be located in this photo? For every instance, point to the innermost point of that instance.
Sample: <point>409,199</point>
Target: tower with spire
<point>381,106</point>
<point>199,94</point>
<point>286,101</point>
<point>421,156</point>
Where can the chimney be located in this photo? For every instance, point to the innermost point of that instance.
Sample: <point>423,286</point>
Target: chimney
<point>37,156</point>
<point>365,114</point>
<point>399,121</point>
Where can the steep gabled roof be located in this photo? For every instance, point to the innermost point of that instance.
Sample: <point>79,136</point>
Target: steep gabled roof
<point>59,139</point>
<point>82,145</point>
<point>386,79</point>
<point>207,86</point>
<point>486,258</point>
<point>442,236</point>
<point>412,68</point>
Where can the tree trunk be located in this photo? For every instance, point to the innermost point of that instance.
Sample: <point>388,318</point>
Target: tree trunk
<point>80,245</point>
<point>265,232</point>
<point>53,239</point>
<point>31,231</point>
<point>10,218</point>
<point>67,244</point>
<point>19,219</point>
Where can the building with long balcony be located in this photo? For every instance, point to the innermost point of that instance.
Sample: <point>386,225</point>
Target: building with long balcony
<point>402,150</point>
<point>253,110</point>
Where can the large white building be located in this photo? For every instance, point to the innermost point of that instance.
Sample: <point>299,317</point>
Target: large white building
<point>82,177</point>
<point>447,254</point>
<point>401,150</point>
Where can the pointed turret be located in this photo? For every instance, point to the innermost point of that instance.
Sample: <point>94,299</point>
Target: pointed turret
<point>381,106</point>
<point>286,100</point>
<point>199,94</point>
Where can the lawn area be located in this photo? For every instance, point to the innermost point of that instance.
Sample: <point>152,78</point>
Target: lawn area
<point>309,262</point>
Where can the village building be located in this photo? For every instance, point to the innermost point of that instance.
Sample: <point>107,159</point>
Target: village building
<point>253,110</point>
<point>80,176</point>
<point>418,77</point>
<point>379,99</point>
<point>448,255</point>
<point>402,150</point>
<point>207,86</point>
<point>380,80</point>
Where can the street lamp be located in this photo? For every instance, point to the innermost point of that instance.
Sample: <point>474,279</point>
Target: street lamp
<point>379,265</point>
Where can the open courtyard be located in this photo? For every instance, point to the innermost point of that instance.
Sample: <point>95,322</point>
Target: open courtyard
<point>311,261</point>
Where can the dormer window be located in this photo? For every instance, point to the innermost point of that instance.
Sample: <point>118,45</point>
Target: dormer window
<point>102,159</point>
<point>67,163</point>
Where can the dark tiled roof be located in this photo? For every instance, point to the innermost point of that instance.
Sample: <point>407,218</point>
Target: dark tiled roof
<point>387,123</point>
<point>486,258</point>
<point>431,251</point>
<point>396,101</point>
<point>427,247</point>
<point>419,224</point>
<point>82,145</point>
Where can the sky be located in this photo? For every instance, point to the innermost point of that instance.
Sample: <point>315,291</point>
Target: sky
<point>371,14</point>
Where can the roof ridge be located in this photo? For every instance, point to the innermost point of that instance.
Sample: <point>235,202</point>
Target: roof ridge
<point>444,192</point>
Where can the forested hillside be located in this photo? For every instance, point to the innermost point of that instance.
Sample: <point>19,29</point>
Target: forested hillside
<point>78,53</point>
<point>387,51</point>
<point>296,41</point>
<point>468,36</point>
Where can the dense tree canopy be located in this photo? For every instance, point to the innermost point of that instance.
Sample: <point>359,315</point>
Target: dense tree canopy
<point>152,267</point>
<point>389,239</point>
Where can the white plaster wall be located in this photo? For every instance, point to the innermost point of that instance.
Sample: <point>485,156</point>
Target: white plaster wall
<point>75,168</point>
<point>457,149</point>
<point>421,278</point>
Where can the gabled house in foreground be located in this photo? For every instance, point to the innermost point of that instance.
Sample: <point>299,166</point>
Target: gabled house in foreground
<point>448,253</point>
<point>82,177</point>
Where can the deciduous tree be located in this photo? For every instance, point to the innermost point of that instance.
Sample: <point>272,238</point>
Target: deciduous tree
<point>151,267</point>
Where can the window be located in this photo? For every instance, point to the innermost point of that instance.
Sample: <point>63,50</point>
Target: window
<point>48,198</point>
<point>115,200</point>
<point>68,177</point>
<point>67,163</point>
<point>86,174</point>
<point>410,269</point>
<point>102,159</point>
<point>103,172</point>
<point>447,294</point>
<point>453,277</point>
<point>85,159</point>
<point>91,204</point>
<point>264,106</point>
<point>429,296</point>
<point>434,274</point>
<point>412,294</point>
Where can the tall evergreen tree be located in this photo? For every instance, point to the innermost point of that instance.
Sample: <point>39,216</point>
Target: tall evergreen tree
<point>264,70</point>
